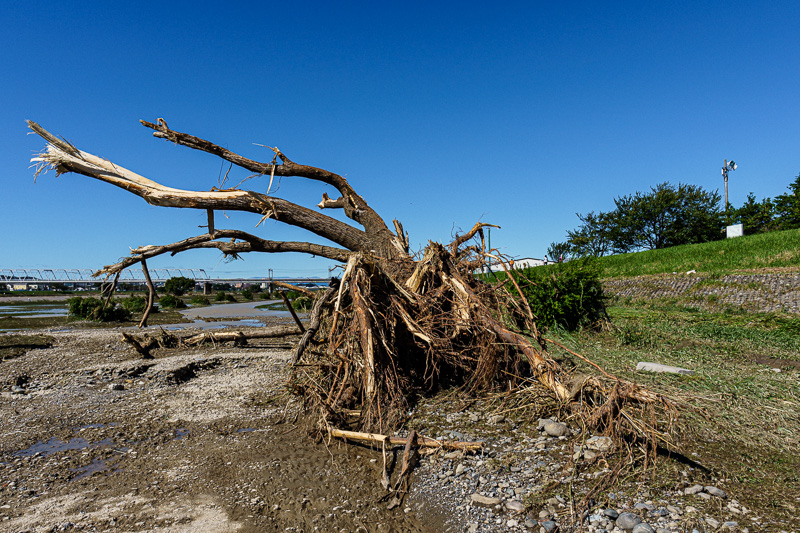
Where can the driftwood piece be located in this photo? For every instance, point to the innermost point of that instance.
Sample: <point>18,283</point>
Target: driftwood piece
<point>240,337</point>
<point>424,442</point>
<point>143,349</point>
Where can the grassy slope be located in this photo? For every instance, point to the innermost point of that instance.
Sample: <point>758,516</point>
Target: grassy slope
<point>744,419</point>
<point>768,250</point>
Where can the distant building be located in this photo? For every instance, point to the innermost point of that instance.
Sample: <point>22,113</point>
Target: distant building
<point>518,264</point>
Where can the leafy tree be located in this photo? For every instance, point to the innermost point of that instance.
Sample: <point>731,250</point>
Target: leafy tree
<point>666,216</point>
<point>594,237</point>
<point>178,286</point>
<point>757,217</point>
<point>787,207</point>
<point>557,250</point>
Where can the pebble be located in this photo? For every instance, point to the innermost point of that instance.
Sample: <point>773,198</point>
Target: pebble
<point>714,491</point>
<point>486,501</point>
<point>626,521</point>
<point>116,386</point>
<point>548,526</point>
<point>556,429</point>
<point>642,528</point>
<point>515,506</point>
<point>694,489</point>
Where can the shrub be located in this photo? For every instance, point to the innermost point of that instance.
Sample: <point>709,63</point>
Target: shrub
<point>569,294</point>
<point>92,309</point>
<point>200,300</point>
<point>247,294</point>
<point>302,303</point>
<point>230,298</point>
<point>220,297</point>
<point>135,304</point>
<point>178,286</point>
<point>168,301</point>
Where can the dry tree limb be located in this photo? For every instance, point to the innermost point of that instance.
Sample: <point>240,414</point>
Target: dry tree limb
<point>151,294</point>
<point>143,349</point>
<point>313,326</point>
<point>409,460</point>
<point>289,308</point>
<point>424,442</point>
<point>238,336</point>
<point>295,288</point>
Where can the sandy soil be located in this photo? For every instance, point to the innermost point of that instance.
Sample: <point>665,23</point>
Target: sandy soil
<point>191,441</point>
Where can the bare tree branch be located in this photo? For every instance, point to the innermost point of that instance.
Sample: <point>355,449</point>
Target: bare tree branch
<point>64,157</point>
<point>249,243</point>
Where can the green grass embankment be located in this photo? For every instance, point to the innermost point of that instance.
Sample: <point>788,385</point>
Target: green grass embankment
<point>778,249</point>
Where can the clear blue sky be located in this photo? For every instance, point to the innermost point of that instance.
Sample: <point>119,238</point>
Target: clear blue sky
<point>439,113</point>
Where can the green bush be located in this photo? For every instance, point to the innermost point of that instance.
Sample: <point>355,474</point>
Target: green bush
<point>567,295</point>
<point>178,286</point>
<point>92,309</point>
<point>247,294</point>
<point>230,298</point>
<point>168,301</point>
<point>200,300</point>
<point>302,303</point>
<point>135,304</point>
<point>220,297</point>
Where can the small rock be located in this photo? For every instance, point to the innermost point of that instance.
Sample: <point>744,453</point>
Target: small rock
<point>731,524</point>
<point>548,526</point>
<point>611,513</point>
<point>713,523</point>
<point>599,444</point>
<point>556,429</point>
<point>626,521</point>
<point>642,528</point>
<point>473,527</point>
<point>714,491</point>
<point>515,506</point>
<point>703,495</point>
<point>485,501</point>
<point>460,469</point>
<point>531,523</point>
<point>512,523</point>
<point>116,386</point>
<point>17,390</point>
<point>496,419</point>
<point>694,489</point>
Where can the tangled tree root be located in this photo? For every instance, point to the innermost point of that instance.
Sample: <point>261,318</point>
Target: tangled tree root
<point>386,339</point>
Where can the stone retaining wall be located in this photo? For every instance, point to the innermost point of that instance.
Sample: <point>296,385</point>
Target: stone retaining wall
<point>764,293</point>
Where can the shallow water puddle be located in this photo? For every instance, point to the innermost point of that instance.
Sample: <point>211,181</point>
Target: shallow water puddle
<point>55,445</point>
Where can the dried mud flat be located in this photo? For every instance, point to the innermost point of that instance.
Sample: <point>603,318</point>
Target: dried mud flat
<point>94,439</point>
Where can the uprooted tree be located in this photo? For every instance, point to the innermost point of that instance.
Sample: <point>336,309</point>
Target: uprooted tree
<point>396,325</point>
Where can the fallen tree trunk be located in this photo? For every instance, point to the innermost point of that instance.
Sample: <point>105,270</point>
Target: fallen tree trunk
<point>395,328</point>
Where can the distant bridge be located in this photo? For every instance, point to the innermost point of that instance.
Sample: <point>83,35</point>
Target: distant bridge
<point>23,278</point>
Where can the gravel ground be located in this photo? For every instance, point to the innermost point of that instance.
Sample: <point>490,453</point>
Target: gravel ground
<point>94,439</point>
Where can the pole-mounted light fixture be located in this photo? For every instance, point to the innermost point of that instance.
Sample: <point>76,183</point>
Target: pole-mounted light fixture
<point>729,165</point>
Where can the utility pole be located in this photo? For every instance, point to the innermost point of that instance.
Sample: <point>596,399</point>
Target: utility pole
<point>725,168</point>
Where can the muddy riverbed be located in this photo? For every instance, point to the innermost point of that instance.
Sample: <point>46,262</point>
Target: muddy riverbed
<point>92,438</point>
